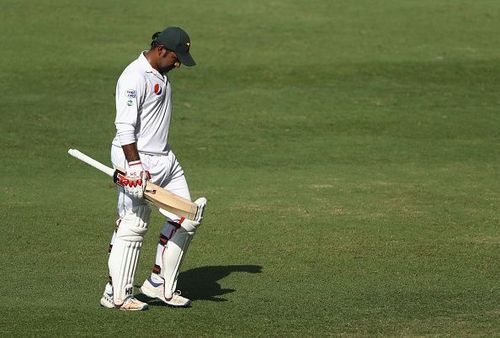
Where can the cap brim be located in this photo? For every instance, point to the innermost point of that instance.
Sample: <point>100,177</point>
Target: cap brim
<point>186,59</point>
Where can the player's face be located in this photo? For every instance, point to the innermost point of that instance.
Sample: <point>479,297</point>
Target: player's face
<point>168,61</point>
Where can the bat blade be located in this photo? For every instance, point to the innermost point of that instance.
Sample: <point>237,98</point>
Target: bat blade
<point>170,201</point>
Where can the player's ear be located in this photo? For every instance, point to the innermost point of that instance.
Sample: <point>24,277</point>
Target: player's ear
<point>163,51</point>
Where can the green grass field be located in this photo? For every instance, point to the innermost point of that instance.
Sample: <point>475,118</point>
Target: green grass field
<point>349,151</point>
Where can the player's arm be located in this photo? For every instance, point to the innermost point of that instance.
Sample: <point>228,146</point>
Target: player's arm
<point>131,152</point>
<point>128,98</point>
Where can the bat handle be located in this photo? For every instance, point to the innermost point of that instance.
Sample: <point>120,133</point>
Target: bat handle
<point>90,161</point>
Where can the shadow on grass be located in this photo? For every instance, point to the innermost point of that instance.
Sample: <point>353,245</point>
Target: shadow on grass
<point>202,283</point>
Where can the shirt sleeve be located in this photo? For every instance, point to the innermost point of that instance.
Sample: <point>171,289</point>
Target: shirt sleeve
<point>129,91</point>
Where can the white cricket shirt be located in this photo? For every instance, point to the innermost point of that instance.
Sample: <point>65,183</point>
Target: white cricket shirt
<point>143,108</point>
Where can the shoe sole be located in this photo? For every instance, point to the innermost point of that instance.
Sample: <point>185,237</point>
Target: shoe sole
<point>187,305</point>
<point>144,308</point>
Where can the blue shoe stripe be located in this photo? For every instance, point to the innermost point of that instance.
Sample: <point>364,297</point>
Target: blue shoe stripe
<point>153,283</point>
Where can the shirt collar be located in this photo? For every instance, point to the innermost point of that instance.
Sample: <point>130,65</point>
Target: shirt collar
<point>147,66</point>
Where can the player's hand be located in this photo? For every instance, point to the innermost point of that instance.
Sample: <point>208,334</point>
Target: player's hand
<point>135,179</point>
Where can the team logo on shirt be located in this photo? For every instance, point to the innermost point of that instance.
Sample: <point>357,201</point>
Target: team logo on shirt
<point>157,89</point>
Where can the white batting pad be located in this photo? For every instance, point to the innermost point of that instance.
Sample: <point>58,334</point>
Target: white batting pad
<point>173,255</point>
<point>124,255</point>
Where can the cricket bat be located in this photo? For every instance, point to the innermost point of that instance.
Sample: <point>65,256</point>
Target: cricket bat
<point>154,194</point>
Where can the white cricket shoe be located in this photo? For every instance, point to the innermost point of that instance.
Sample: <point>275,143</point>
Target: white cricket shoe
<point>133,304</point>
<point>130,304</point>
<point>155,290</point>
<point>107,300</point>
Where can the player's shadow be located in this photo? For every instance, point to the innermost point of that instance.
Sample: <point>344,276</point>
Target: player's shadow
<point>202,283</point>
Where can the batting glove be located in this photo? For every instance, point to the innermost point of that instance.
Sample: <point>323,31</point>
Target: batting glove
<point>135,179</point>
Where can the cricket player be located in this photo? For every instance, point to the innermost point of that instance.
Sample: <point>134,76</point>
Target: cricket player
<point>143,114</point>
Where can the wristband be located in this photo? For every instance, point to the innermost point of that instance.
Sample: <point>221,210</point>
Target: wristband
<point>135,167</point>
